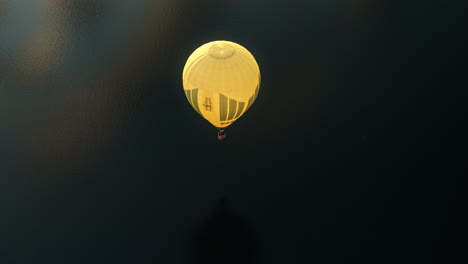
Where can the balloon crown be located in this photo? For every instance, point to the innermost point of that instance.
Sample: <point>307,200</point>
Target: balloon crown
<point>221,50</point>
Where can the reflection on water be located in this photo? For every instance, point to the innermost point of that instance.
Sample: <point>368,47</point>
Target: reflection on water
<point>3,6</point>
<point>72,71</point>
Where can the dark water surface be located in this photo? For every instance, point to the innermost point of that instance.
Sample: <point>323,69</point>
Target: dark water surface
<point>349,155</point>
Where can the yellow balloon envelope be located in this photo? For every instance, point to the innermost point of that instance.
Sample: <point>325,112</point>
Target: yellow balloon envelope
<point>221,80</point>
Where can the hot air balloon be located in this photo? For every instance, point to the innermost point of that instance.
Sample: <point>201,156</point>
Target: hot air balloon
<point>221,80</point>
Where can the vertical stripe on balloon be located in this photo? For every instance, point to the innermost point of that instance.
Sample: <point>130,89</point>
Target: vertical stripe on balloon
<point>232,108</point>
<point>222,107</point>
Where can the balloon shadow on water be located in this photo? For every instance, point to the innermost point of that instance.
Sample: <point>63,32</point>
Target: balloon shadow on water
<point>223,238</point>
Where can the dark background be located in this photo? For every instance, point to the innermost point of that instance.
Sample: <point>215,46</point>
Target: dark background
<point>353,152</point>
